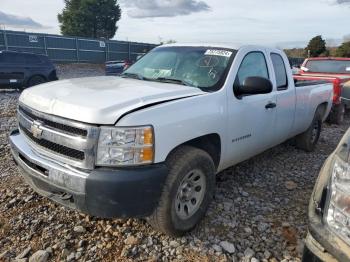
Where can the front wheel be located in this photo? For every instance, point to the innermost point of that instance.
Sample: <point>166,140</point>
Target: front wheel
<point>187,192</point>
<point>308,140</point>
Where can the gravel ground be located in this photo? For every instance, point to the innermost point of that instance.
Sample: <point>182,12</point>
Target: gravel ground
<point>258,213</point>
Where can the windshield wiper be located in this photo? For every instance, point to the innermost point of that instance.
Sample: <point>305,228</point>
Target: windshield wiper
<point>132,75</point>
<point>160,79</point>
<point>178,81</point>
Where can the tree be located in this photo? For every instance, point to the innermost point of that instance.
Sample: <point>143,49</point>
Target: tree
<point>90,18</point>
<point>316,46</point>
<point>343,50</point>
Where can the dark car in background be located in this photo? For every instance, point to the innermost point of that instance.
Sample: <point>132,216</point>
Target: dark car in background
<point>115,68</point>
<point>329,209</point>
<point>21,70</point>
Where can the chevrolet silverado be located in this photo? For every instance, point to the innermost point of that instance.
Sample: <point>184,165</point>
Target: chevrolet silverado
<point>149,143</point>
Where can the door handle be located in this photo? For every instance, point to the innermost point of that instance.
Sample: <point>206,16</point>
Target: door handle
<point>270,105</point>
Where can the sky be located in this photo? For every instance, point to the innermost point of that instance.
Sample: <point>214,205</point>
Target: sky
<point>279,23</point>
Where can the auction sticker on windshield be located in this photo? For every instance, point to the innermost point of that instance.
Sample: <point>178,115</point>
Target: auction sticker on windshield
<point>218,52</point>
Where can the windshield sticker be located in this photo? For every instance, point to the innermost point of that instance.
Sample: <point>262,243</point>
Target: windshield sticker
<point>218,52</point>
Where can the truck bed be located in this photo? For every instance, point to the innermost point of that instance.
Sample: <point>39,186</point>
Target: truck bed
<point>309,94</point>
<point>299,82</point>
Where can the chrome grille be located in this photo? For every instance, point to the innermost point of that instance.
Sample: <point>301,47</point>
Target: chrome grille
<point>64,128</point>
<point>63,150</point>
<point>64,140</point>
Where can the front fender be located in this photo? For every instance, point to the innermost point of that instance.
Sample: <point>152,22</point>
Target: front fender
<point>177,122</point>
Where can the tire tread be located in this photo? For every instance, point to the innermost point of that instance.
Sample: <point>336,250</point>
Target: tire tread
<point>161,219</point>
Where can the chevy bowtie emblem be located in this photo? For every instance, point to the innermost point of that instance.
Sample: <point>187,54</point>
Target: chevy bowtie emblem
<point>36,129</point>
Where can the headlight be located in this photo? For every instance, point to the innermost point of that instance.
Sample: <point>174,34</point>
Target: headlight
<point>119,146</point>
<point>338,214</point>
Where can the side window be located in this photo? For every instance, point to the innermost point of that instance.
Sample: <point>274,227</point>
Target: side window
<point>253,64</point>
<point>280,71</point>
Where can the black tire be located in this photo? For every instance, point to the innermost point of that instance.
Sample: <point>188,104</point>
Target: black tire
<point>36,80</point>
<point>308,140</point>
<point>308,256</point>
<point>336,116</point>
<point>181,163</point>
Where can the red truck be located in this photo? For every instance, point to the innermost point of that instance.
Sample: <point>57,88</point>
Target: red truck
<point>330,69</point>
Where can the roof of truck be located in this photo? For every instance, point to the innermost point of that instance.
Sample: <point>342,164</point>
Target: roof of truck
<point>219,45</point>
<point>224,45</point>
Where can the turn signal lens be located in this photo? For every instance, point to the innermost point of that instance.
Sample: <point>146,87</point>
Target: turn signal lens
<point>147,154</point>
<point>148,136</point>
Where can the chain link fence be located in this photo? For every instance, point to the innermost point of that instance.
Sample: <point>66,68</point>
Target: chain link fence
<point>72,49</point>
<point>296,61</point>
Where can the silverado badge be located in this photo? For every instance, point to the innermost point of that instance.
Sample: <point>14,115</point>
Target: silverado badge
<point>36,129</point>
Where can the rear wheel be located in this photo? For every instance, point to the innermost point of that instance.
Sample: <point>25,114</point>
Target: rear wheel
<point>336,116</point>
<point>36,80</point>
<point>187,192</point>
<point>308,140</point>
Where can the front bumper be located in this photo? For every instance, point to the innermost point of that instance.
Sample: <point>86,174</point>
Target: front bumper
<point>315,252</point>
<point>321,243</point>
<point>107,193</point>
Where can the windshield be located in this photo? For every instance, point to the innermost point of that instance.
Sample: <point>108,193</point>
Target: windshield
<point>329,66</point>
<point>202,67</point>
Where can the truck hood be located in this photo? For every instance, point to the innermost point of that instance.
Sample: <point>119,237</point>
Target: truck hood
<point>100,100</point>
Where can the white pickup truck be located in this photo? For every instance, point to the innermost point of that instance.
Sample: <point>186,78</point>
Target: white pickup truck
<point>149,143</point>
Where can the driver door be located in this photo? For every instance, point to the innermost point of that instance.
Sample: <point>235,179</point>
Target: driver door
<point>251,118</point>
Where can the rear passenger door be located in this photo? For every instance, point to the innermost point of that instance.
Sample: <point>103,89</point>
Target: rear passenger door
<point>285,97</point>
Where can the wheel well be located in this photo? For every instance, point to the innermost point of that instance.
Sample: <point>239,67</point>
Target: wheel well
<point>53,74</point>
<point>31,77</point>
<point>210,143</point>
<point>35,76</point>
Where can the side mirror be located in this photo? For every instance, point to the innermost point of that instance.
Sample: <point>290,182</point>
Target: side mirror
<point>255,85</point>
